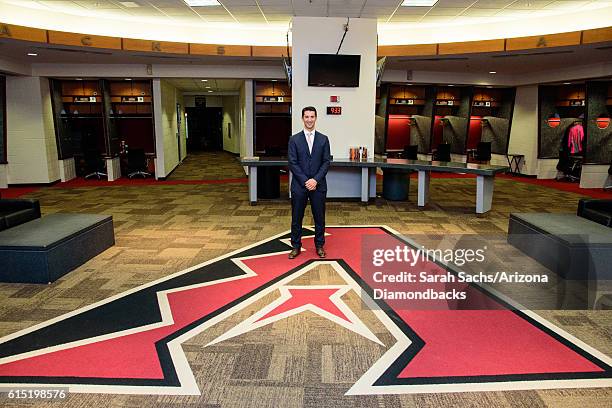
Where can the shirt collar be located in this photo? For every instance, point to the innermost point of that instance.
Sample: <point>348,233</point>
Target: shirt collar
<point>307,132</point>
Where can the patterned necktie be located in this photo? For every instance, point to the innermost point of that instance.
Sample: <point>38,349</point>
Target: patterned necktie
<point>310,141</point>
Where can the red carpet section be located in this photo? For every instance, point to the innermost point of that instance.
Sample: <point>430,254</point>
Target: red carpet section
<point>15,191</point>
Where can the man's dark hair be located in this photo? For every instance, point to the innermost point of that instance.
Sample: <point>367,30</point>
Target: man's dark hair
<point>309,108</point>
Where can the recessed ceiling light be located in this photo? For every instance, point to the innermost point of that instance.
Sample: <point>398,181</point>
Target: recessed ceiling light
<point>209,91</point>
<point>274,80</point>
<point>419,3</point>
<point>489,86</point>
<point>409,84</point>
<point>202,3</point>
<point>128,79</point>
<point>492,72</point>
<point>567,83</point>
<point>79,79</point>
<point>129,4</point>
<point>32,54</point>
<point>451,85</point>
<point>207,87</point>
<point>205,80</point>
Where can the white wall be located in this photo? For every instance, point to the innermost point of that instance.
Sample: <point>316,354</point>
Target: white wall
<point>189,101</point>
<point>569,73</point>
<point>49,130</point>
<point>240,70</point>
<point>165,98</point>
<point>320,35</point>
<point>524,131</point>
<point>213,101</point>
<point>183,126</point>
<point>230,120</point>
<point>32,150</point>
<point>594,175</point>
<point>3,175</point>
<point>246,118</point>
<point>158,122</point>
<point>547,168</point>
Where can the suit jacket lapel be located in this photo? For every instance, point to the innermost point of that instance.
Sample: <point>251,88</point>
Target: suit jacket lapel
<point>315,141</point>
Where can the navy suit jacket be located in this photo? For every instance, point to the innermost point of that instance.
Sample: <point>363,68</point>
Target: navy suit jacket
<point>305,165</point>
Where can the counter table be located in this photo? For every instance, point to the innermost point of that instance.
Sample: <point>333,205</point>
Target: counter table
<point>485,175</point>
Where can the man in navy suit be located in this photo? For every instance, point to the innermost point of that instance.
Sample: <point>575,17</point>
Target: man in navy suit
<point>309,157</point>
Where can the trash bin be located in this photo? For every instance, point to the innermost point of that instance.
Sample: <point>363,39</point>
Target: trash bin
<point>396,183</point>
<point>268,182</point>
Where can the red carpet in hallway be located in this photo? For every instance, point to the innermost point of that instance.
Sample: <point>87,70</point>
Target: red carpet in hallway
<point>16,191</point>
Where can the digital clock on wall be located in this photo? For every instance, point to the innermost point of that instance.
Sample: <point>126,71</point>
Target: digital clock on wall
<point>334,110</point>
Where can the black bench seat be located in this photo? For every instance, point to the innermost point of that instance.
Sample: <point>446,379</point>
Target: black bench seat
<point>42,250</point>
<point>571,246</point>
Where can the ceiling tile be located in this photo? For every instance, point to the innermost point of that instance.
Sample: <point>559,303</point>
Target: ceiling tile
<point>565,5</point>
<point>445,11</point>
<point>454,3</point>
<point>492,3</point>
<point>529,5</point>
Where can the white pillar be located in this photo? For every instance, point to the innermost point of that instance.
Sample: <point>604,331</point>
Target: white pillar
<point>524,131</point>
<point>3,175</point>
<point>249,117</point>
<point>160,167</point>
<point>355,125</point>
<point>67,169</point>
<point>484,193</point>
<point>32,149</point>
<point>423,193</point>
<point>113,168</point>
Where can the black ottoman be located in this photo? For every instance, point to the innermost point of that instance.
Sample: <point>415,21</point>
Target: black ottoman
<point>47,248</point>
<point>571,246</point>
<point>597,210</point>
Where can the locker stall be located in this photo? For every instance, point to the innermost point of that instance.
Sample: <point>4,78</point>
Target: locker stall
<point>131,111</point>
<point>409,113</point>
<point>491,118</point>
<point>451,117</point>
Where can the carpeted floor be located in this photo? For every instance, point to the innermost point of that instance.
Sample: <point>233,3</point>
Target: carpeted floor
<point>303,360</point>
<point>200,165</point>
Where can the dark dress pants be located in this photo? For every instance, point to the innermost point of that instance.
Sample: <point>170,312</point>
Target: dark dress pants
<point>298,206</point>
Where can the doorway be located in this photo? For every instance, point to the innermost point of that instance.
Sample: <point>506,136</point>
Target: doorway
<point>205,128</point>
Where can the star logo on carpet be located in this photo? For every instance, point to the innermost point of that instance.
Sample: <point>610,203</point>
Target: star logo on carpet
<point>132,343</point>
<point>325,301</point>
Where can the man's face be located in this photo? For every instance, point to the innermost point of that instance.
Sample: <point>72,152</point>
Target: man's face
<point>309,118</point>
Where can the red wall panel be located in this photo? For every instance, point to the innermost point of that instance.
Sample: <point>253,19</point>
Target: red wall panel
<point>474,132</point>
<point>398,132</point>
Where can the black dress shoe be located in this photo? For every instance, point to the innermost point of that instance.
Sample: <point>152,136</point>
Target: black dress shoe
<point>294,252</point>
<point>321,252</point>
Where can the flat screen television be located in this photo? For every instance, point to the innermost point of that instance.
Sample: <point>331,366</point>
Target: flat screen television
<point>333,70</point>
